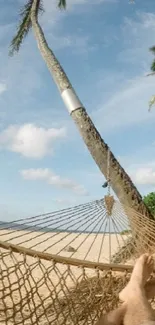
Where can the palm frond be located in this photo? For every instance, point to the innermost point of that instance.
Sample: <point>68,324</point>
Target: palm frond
<point>62,4</point>
<point>24,25</point>
<point>153,66</point>
<point>152,49</point>
<point>151,102</point>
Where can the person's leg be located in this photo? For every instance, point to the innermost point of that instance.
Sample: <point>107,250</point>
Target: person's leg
<point>138,310</point>
<point>115,317</point>
<point>140,274</point>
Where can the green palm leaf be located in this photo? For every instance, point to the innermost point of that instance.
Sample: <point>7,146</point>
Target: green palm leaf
<point>152,49</point>
<point>62,4</point>
<point>151,102</point>
<point>153,66</point>
<point>25,25</point>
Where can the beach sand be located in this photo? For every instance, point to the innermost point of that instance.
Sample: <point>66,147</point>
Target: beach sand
<point>92,247</point>
<point>25,278</point>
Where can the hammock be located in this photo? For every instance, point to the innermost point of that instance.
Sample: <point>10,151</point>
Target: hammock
<point>67,267</point>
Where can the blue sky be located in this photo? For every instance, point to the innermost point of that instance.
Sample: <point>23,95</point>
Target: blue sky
<point>103,46</point>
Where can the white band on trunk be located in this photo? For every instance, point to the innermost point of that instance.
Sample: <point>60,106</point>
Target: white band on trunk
<point>71,100</point>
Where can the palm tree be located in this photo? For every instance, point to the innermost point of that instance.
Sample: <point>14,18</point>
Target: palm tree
<point>152,73</point>
<point>152,49</point>
<point>120,181</point>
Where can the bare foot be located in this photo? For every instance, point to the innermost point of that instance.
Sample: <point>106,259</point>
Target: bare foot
<point>114,317</point>
<point>140,274</point>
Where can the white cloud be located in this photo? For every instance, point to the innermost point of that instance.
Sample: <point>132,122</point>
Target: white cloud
<point>78,44</point>
<point>64,202</point>
<point>51,178</point>
<point>127,103</point>
<point>129,106</point>
<point>143,174</point>
<point>138,38</point>
<point>52,23</point>
<point>53,18</point>
<point>29,140</point>
<point>140,167</point>
<point>3,87</point>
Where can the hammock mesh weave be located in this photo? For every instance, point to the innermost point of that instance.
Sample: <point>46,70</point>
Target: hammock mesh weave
<point>67,267</point>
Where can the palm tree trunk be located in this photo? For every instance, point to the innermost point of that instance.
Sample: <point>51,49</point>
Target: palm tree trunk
<point>120,181</point>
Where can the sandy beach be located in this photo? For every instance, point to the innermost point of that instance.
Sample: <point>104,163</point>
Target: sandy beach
<point>92,247</point>
<point>25,276</point>
<point>88,247</point>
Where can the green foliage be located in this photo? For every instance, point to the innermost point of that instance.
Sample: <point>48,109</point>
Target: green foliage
<point>62,4</point>
<point>149,200</point>
<point>25,24</point>
<point>152,49</point>
<point>151,102</point>
<point>125,232</point>
<point>153,66</point>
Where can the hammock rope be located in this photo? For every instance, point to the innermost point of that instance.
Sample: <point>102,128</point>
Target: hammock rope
<point>108,172</point>
<point>88,231</point>
<point>67,267</point>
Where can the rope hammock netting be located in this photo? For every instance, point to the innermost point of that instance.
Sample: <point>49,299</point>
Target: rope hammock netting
<point>67,267</point>
<point>87,232</point>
